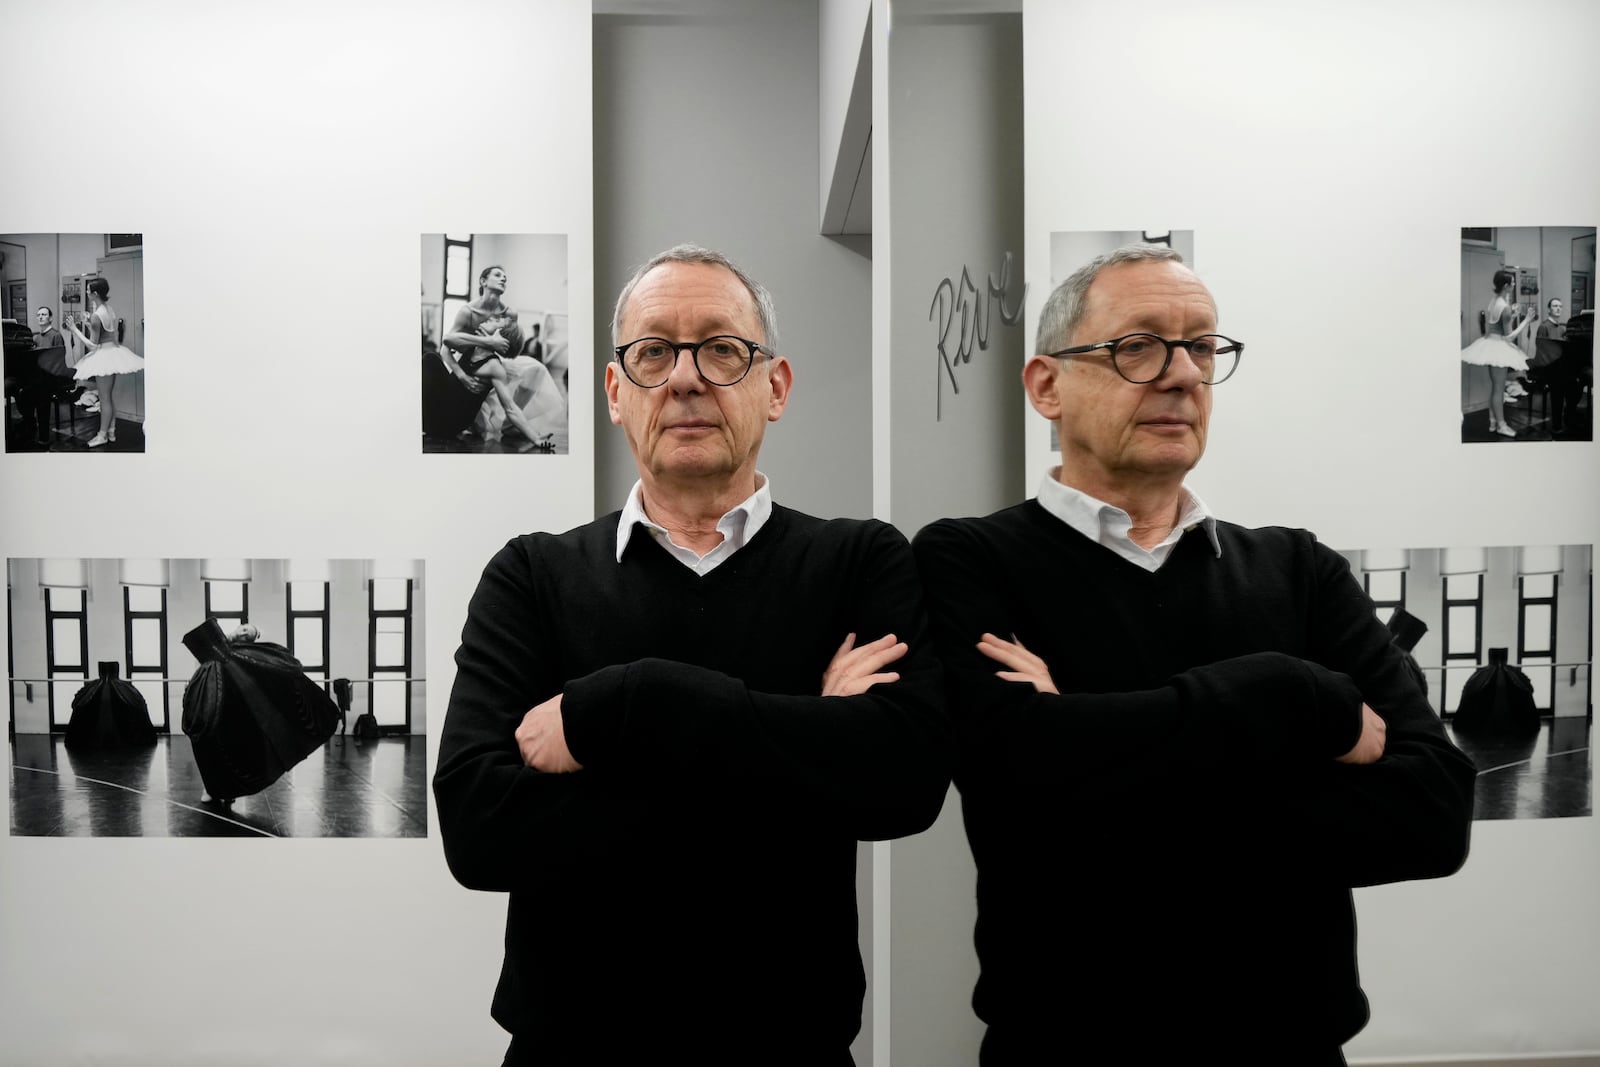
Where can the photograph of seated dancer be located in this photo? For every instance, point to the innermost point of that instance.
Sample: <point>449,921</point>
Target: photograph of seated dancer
<point>670,727</point>
<point>484,332</point>
<point>1182,742</point>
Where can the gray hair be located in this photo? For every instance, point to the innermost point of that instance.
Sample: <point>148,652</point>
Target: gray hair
<point>690,253</point>
<point>1063,309</point>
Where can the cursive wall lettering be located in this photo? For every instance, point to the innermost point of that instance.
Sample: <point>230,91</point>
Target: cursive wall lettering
<point>960,308</point>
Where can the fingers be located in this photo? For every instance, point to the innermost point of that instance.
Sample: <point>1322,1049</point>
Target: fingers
<point>1009,653</point>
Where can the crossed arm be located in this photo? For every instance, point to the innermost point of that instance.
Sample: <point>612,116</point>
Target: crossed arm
<point>542,738</point>
<point>1355,759</point>
<point>606,757</point>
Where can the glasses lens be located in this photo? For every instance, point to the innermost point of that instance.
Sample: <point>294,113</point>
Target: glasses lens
<point>723,360</point>
<point>1139,358</point>
<point>649,360</point>
<point>1221,357</point>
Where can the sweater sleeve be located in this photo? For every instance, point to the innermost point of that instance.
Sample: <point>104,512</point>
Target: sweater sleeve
<point>875,765</point>
<point>1258,707</point>
<point>504,824</point>
<point>1409,815</point>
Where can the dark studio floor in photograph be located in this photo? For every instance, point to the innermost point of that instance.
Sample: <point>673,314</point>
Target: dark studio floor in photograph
<point>1531,418</point>
<point>69,429</point>
<point>374,789</point>
<point>510,443</point>
<point>1542,777</point>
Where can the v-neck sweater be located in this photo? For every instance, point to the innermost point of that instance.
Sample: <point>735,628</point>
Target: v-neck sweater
<point>1170,840</point>
<point>697,876</point>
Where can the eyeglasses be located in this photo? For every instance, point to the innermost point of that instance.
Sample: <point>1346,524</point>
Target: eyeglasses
<point>720,360</point>
<point>1144,357</point>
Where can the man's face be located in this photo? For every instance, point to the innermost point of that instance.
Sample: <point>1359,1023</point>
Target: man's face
<point>689,428</point>
<point>1114,433</point>
<point>1555,310</point>
<point>43,317</point>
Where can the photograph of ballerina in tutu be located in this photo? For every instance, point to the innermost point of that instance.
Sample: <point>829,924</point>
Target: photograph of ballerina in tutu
<point>105,358</point>
<point>75,383</point>
<point>234,698</point>
<point>494,365</point>
<point>1527,333</point>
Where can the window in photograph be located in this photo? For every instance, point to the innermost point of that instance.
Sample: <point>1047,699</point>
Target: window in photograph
<point>1388,592</point>
<point>144,632</point>
<point>389,622</point>
<point>1463,634</point>
<point>308,626</point>
<point>66,650</point>
<point>228,602</point>
<point>1536,634</point>
<point>458,279</point>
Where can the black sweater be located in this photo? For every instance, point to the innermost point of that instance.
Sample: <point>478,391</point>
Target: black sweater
<point>695,880</point>
<point>1166,850</point>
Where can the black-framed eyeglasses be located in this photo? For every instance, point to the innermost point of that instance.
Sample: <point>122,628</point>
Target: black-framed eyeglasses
<point>1144,357</point>
<point>721,360</point>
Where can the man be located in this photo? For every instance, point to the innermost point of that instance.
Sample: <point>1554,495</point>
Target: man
<point>46,336</point>
<point>670,727</point>
<point>1184,741</point>
<point>1564,372</point>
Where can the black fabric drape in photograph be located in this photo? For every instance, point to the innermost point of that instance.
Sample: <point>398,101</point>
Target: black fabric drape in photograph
<point>1497,702</point>
<point>108,713</point>
<point>250,711</point>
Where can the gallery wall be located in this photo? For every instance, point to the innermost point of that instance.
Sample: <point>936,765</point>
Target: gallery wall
<point>281,163</point>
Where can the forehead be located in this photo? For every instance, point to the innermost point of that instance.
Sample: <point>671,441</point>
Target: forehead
<point>1136,293</point>
<point>699,294</point>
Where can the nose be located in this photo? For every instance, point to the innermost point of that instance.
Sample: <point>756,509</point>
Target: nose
<point>685,376</point>
<point>1183,372</point>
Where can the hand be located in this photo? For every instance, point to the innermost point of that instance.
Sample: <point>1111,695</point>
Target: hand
<point>474,385</point>
<point>1369,746</point>
<point>855,670</point>
<point>495,343</point>
<point>542,739</point>
<point>1025,666</point>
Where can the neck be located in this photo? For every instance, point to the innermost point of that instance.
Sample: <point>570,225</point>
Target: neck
<point>1151,503</point>
<point>690,513</point>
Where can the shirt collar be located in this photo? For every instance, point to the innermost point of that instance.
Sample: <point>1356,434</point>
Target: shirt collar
<point>737,526</point>
<point>1106,524</point>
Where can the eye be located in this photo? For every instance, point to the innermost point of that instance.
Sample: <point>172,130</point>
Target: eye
<point>652,349</point>
<point>1203,348</point>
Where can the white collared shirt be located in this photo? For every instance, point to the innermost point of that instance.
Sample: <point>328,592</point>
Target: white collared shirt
<point>1108,525</point>
<point>737,527</point>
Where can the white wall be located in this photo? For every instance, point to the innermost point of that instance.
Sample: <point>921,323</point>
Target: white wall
<point>1326,157</point>
<point>281,163</point>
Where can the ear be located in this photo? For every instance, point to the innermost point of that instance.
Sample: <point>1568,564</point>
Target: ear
<point>613,383</point>
<point>780,379</point>
<point>1039,376</point>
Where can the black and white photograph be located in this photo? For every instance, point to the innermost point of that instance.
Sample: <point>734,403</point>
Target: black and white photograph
<point>1527,333</point>
<point>494,343</point>
<point>1072,249</point>
<point>217,698</point>
<point>74,341</point>
<point>1501,641</point>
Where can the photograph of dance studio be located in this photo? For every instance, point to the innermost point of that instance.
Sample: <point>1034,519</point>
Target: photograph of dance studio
<point>1527,333</point>
<point>1502,640</point>
<point>494,343</point>
<point>74,341</point>
<point>217,698</point>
